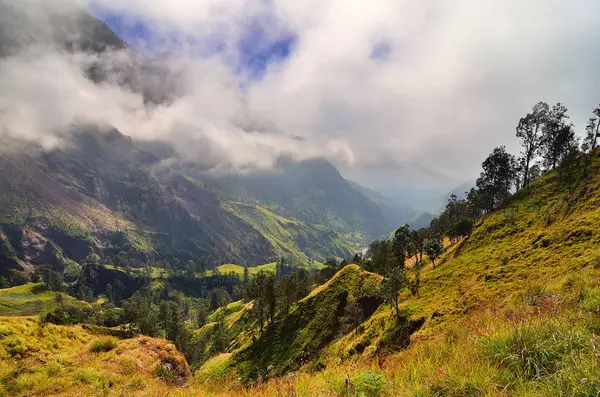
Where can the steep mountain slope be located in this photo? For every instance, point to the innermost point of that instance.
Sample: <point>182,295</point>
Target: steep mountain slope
<point>422,221</point>
<point>100,195</point>
<point>505,311</point>
<point>312,191</point>
<point>298,241</point>
<point>25,23</point>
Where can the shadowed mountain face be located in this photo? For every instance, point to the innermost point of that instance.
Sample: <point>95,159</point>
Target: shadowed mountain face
<point>100,195</point>
<point>312,191</point>
<point>72,29</point>
<point>100,192</point>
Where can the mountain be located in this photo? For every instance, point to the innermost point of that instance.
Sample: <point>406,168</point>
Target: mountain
<point>102,193</point>
<point>422,221</point>
<point>438,206</point>
<point>99,195</point>
<point>25,24</point>
<point>312,191</point>
<point>394,214</point>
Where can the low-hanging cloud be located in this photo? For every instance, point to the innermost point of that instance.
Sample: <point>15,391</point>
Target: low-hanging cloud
<point>431,85</point>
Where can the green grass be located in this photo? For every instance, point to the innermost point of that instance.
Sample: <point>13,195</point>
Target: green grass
<point>218,367</point>
<point>287,235</point>
<point>30,299</point>
<point>103,345</point>
<point>512,310</point>
<point>230,308</point>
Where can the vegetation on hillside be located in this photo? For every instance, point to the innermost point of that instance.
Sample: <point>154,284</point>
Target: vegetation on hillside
<point>510,305</point>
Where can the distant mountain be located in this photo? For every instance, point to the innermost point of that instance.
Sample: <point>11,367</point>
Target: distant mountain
<point>312,191</point>
<point>460,192</point>
<point>422,221</point>
<point>24,24</point>
<point>99,195</point>
<point>102,194</point>
<point>394,214</point>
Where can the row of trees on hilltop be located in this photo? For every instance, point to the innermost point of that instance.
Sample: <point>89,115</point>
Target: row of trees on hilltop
<point>548,141</point>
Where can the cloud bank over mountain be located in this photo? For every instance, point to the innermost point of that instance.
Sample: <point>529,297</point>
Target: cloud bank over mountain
<point>430,87</point>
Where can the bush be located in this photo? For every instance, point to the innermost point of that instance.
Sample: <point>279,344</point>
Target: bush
<point>5,330</point>
<point>369,384</point>
<point>535,350</point>
<point>14,346</point>
<point>103,345</point>
<point>86,376</point>
<point>589,300</point>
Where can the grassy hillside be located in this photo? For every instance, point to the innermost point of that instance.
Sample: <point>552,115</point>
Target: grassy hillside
<point>295,238</point>
<point>31,299</point>
<point>512,310</point>
<point>45,359</point>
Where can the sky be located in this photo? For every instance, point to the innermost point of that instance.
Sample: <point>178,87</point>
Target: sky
<point>402,96</point>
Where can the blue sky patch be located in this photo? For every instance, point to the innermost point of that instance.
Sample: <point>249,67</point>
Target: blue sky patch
<point>262,43</point>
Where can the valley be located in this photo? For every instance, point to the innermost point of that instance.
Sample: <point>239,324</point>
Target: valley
<point>179,211</point>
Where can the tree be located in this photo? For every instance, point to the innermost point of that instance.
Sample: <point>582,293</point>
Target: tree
<point>353,316</point>
<point>92,259</point>
<point>202,316</point>
<point>331,263</point>
<point>570,162</point>
<point>391,286</point>
<point>262,290</point>
<point>190,269</point>
<point>415,284</point>
<point>118,291</point>
<point>464,227</point>
<point>556,136</point>
<point>497,176</point>
<point>591,130</point>
<point>400,244</point>
<point>382,257</point>
<point>417,238</point>
<point>529,132</point>
<point>590,141</point>
<point>271,297</point>
<point>280,268</point>
<point>110,296</point>
<point>433,249</point>
<point>219,336</point>
<point>246,275</point>
<point>53,279</point>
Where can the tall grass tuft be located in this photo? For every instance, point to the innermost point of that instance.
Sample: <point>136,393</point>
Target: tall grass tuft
<point>537,349</point>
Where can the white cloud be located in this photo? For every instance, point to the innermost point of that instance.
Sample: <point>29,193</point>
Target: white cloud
<point>457,78</point>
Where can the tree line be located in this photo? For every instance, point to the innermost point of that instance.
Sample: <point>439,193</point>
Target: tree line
<point>548,142</point>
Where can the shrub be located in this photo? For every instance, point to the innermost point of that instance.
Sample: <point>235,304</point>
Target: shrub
<point>86,376</point>
<point>5,330</point>
<point>53,369</point>
<point>103,345</point>
<point>14,346</point>
<point>535,350</point>
<point>369,384</point>
<point>589,300</point>
<point>127,366</point>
